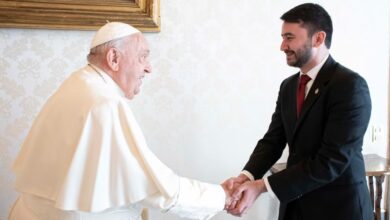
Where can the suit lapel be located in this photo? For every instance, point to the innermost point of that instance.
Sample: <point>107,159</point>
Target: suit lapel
<point>316,90</point>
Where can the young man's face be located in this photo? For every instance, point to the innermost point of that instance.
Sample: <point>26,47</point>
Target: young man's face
<point>296,44</point>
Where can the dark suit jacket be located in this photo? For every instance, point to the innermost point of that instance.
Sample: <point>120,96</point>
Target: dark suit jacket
<point>325,174</point>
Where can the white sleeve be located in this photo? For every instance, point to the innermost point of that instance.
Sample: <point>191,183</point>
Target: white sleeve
<point>171,193</point>
<point>194,200</point>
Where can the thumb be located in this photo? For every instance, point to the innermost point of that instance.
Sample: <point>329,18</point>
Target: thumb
<point>230,184</point>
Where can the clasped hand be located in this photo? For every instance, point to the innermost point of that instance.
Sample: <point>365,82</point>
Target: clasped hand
<point>241,193</point>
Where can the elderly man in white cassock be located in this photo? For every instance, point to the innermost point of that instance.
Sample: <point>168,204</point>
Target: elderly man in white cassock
<point>85,156</point>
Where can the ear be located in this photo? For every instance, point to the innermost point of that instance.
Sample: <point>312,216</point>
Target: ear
<point>318,38</point>
<point>113,58</point>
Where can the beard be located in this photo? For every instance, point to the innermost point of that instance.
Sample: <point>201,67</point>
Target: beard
<point>302,55</point>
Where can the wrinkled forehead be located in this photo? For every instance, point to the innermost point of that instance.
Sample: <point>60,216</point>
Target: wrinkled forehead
<point>138,42</point>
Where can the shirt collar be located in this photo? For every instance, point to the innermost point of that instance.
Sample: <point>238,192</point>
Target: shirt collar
<point>314,71</point>
<point>107,79</point>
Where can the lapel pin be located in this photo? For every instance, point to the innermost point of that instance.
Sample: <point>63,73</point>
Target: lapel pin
<point>316,91</point>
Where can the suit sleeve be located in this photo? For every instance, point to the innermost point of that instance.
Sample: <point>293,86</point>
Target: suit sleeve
<point>270,148</point>
<point>348,109</point>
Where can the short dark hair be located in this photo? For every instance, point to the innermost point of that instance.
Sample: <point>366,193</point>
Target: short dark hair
<point>313,17</point>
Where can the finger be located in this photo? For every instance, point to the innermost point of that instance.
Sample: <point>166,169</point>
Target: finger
<point>237,193</point>
<point>232,205</point>
<point>240,207</point>
<point>243,204</point>
<point>236,212</point>
<point>229,183</point>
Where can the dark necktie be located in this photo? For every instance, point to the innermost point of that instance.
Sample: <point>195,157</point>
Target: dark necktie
<point>301,92</point>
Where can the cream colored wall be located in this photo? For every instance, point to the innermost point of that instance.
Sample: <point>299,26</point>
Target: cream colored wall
<point>217,70</point>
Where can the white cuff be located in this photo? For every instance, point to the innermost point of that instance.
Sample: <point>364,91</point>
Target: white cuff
<point>248,174</point>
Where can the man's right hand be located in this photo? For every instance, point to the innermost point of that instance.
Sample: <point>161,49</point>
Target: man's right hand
<point>233,182</point>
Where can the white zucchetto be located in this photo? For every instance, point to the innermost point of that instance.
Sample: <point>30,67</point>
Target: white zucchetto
<point>112,31</point>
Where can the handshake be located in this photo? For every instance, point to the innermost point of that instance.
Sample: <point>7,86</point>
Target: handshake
<point>241,193</point>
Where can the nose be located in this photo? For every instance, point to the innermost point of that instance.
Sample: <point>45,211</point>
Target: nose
<point>283,46</point>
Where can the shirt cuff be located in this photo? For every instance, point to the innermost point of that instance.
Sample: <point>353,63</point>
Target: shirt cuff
<point>269,189</point>
<point>248,174</point>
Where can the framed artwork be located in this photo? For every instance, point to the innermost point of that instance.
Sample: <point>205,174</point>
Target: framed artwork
<point>79,14</point>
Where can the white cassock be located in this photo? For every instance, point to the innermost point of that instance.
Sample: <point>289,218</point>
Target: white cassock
<point>85,157</point>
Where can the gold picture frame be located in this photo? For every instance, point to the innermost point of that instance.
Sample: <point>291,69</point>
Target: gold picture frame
<point>79,14</point>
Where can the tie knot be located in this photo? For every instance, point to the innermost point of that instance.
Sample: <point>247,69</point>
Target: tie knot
<point>304,79</point>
